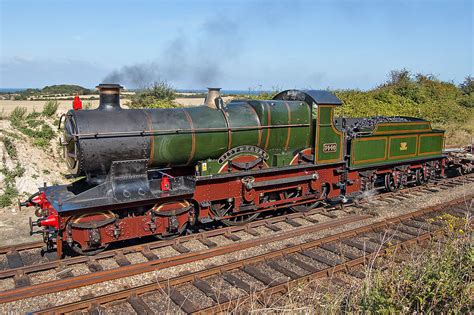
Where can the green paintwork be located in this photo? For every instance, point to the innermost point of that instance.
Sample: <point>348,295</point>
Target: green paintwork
<point>201,133</point>
<point>396,145</point>
<point>327,135</point>
<point>367,150</point>
<point>431,145</point>
<point>402,147</point>
<point>389,128</point>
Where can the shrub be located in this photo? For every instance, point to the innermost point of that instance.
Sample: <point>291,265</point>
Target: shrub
<point>10,147</point>
<point>32,126</point>
<point>10,192</point>
<point>50,108</point>
<point>17,115</point>
<point>159,95</point>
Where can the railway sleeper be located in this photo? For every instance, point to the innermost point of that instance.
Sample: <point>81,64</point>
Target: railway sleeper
<point>14,259</point>
<point>21,279</point>
<point>139,305</point>
<point>206,288</point>
<point>282,269</point>
<point>322,259</point>
<point>261,276</point>
<point>179,299</point>
<point>236,282</point>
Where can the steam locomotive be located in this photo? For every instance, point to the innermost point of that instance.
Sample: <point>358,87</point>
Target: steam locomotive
<point>143,172</point>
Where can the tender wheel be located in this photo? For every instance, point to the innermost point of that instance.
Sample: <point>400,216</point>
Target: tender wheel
<point>225,209</point>
<point>420,177</point>
<point>390,183</point>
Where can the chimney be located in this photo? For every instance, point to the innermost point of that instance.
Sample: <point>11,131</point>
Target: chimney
<point>109,96</point>
<point>213,98</point>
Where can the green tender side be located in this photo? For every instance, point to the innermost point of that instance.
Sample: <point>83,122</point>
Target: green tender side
<point>392,128</point>
<point>378,150</point>
<point>329,140</point>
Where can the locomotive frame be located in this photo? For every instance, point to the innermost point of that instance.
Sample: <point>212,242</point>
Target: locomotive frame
<point>294,155</point>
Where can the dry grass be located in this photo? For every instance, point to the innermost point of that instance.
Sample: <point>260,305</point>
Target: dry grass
<point>436,277</point>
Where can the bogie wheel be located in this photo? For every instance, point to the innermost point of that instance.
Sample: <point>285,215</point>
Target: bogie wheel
<point>87,223</point>
<point>90,252</point>
<point>179,232</point>
<point>225,209</point>
<point>390,183</point>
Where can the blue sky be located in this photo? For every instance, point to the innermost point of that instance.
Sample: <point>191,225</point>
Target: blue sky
<point>232,44</point>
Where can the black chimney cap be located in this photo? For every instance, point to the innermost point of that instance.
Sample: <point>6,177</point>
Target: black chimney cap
<point>109,86</point>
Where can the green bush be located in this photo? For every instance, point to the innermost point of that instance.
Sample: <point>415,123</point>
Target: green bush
<point>10,147</point>
<point>50,108</point>
<point>159,95</point>
<point>32,125</point>
<point>10,192</point>
<point>17,115</point>
<point>403,94</point>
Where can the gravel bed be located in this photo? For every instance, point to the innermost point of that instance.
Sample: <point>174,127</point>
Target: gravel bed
<point>3,262</point>
<point>118,308</point>
<point>163,252</point>
<point>136,258</point>
<point>329,255</point>
<point>195,245</point>
<point>161,303</point>
<point>221,286</point>
<point>108,263</point>
<point>7,284</point>
<point>196,296</point>
<point>275,275</point>
<point>43,276</point>
<point>221,240</point>
<point>80,269</point>
<point>284,226</point>
<point>244,236</point>
<point>310,261</point>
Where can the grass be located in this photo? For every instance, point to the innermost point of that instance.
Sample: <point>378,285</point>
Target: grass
<point>434,278</point>
<point>10,147</point>
<point>33,124</point>
<point>50,108</point>
<point>10,192</point>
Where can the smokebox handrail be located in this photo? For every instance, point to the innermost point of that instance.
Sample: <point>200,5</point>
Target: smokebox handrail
<point>176,131</point>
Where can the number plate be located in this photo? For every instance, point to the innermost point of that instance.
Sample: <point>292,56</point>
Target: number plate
<point>329,147</point>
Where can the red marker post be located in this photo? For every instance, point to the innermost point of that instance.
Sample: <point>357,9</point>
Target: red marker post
<point>77,103</point>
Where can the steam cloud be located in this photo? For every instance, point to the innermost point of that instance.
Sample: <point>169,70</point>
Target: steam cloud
<point>197,61</point>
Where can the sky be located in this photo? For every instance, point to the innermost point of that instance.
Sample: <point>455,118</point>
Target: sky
<point>232,44</point>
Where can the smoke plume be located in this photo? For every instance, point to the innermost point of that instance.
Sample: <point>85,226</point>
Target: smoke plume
<point>196,61</point>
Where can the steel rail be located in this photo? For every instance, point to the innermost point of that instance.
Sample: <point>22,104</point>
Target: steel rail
<point>212,233</point>
<point>154,244</point>
<point>130,270</point>
<point>179,280</point>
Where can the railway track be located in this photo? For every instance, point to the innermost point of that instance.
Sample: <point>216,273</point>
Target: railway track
<point>221,288</point>
<point>20,255</point>
<point>22,279</point>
